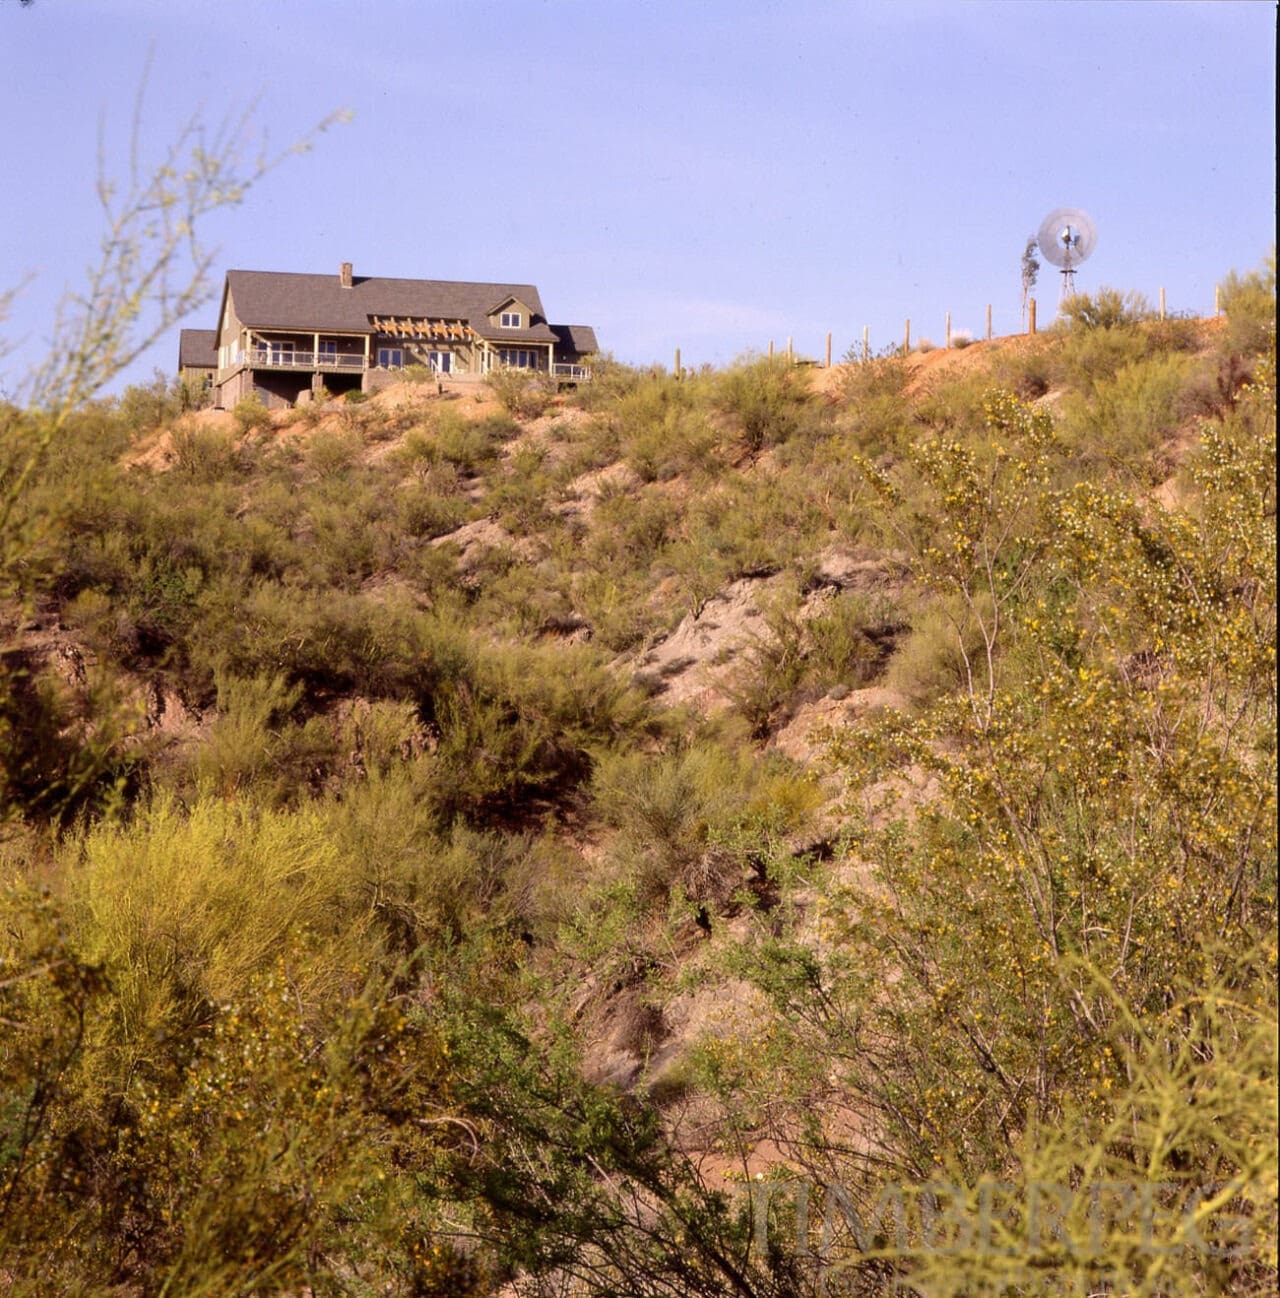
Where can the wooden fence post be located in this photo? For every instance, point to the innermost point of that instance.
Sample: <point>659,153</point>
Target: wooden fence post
<point>948,328</point>
<point>1031,316</point>
<point>771,349</point>
<point>906,336</point>
<point>1217,301</point>
<point>828,351</point>
<point>678,370</point>
<point>988,321</point>
<point>1162,304</point>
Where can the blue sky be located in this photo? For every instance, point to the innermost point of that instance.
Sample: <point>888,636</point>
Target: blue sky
<point>702,174</point>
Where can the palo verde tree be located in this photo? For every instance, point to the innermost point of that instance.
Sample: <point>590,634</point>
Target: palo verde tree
<point>1054,963</point>
<point>153,269</point>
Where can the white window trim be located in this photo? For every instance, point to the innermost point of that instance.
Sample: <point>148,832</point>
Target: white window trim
<point>510,320</point>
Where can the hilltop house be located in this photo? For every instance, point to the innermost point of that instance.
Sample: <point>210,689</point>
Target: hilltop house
<point>280,335</point>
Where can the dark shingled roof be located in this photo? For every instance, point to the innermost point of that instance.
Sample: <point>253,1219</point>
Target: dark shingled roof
<point>578,339</point>
<point>269,299</point>
<point>198,349</point>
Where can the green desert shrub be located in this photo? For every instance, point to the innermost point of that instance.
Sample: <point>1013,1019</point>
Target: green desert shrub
<point>628,531</point>
<point>772,665</point>
<point>610,380</point>
<point>103,624</point>
<point>849,640</point>
<point>424,512</point>
<point>520,496</point>
<point>64,751</point>
<point>1130,414</point>
<point>333,453</point>
<point>1249,302</point>
<point>530,720</point>
<point>700,819</point>
<point>612,604</point>
<point>251,415</point>
<point>467,444</point>
<point>769,398</point>
<point>796,654</point>
<point>952,405</point>
<point>943,652</point>
<point>419,879</point>
<point>332,644</point>
<point>657,424</point>
<point>244,742</point>
<point>1027,371</point>
<point>682,442</point>
<point>1090,356</point>
<point>204,455</point>
<point>526,394</point>
<point>873,401</point>
<point>1175,333</point>
<point>183,907</point>
<point>1108,308</point>
<point>142,407</point>
<point>205,1146</point>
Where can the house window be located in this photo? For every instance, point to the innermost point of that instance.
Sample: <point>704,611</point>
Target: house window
<point>328,353</point>
<point>280,352</point>
<point>518,358</point>
<point>441,362</point>
<point>391,358</point>
<point>510,320</point>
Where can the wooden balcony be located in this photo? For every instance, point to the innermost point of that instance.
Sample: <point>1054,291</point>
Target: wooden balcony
<point>282,358</point>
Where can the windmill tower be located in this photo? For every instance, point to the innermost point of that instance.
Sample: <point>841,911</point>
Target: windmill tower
<point>1067,236</point>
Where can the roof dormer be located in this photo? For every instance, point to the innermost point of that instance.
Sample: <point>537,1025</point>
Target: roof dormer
<point>510,313</point>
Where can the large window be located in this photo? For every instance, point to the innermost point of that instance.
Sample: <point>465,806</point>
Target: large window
<point>280,352</point>
<point>519,358</point>
<point>441,362</point>
<point>328,353</point>
<point>510,320</point>
<point>391,358</point>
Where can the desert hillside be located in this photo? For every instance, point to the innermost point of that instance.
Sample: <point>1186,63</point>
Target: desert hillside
<point>494,840</point>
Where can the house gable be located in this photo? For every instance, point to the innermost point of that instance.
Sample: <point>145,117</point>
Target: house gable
<point>512,312</point>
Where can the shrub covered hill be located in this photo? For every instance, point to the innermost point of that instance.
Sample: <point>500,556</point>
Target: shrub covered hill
<point>785,831</point>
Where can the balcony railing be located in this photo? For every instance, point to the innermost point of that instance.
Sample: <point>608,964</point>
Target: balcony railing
<point>280,358</point>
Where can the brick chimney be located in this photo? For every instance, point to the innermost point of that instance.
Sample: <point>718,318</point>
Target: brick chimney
<point>344,274</point>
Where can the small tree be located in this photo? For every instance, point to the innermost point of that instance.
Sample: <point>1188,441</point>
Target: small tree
<point>1030,269</point>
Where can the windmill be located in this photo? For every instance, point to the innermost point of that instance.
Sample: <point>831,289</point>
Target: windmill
<point>1067,236</point>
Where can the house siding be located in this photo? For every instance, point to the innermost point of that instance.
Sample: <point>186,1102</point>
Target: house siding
<point>231,334</point>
